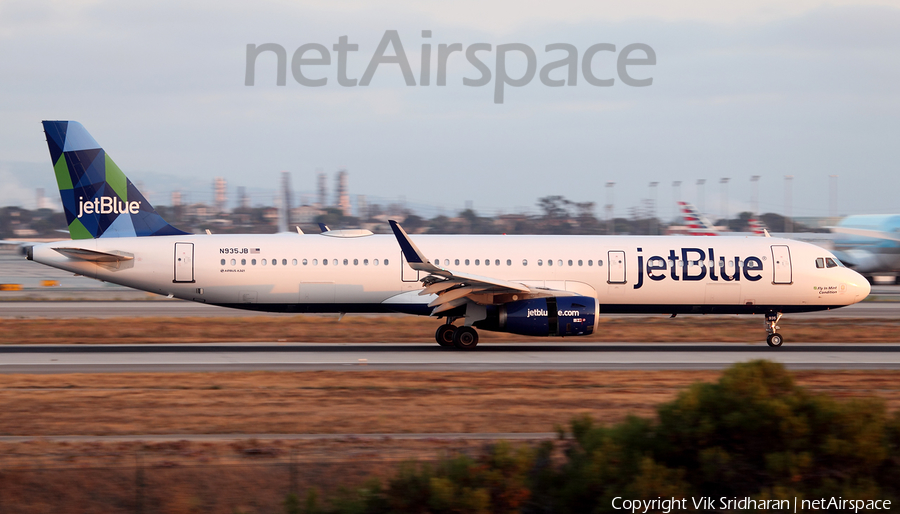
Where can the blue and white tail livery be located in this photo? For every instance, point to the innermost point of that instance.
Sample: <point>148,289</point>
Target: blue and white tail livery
<point>98,199</point>
<point>531,285</point>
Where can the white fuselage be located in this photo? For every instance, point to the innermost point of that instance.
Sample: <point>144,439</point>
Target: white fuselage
<point>324,273</point>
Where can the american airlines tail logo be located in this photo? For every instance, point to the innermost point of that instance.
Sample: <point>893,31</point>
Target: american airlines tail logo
<point>106,205</point>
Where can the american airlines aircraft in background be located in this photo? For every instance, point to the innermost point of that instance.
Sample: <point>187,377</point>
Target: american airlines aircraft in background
<point>530,285</point>
<point>698,225</point>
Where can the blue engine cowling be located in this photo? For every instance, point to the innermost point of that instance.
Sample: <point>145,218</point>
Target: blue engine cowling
<point>555,316</point>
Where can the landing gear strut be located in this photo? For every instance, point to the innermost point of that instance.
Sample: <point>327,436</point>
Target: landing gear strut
<point>773,339</point>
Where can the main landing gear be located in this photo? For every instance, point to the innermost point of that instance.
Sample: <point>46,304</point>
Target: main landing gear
<point>773,339</point>
<point>450,336</point>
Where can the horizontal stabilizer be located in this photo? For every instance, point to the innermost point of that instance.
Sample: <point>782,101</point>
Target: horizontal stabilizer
<point>94,256</point>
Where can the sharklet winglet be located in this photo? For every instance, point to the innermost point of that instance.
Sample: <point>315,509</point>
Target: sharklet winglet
<point>414,257</point>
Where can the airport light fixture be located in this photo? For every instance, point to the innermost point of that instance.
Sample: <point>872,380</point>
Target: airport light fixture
<point>788,222</point>
<point>754,194</point>
<point>724,210</point>
<point>700,194</point>
<point>610,220</point>
<point>676,196</point>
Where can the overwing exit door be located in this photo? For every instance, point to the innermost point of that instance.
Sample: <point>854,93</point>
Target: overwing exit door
<point>616,267</point>
<point>184,262</point>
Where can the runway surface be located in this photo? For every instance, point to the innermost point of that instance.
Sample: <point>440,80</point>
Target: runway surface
<point>53,359</point>
<point>179,308</point>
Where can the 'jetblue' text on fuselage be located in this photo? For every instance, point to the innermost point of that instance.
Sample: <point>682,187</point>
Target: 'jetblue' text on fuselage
<point>695,264</point>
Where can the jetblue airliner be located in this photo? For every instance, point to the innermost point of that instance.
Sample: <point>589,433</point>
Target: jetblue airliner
<point>530,285</point>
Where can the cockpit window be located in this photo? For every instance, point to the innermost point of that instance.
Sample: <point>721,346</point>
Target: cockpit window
<point>820,262</point>
<point>829,263</point>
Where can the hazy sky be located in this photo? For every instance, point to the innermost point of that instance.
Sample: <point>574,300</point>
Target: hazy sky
<point>771,88</point>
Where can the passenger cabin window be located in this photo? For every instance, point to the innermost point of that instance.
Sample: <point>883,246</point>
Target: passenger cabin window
<point>829,263</point>
<point>820,263</point>
<point>509,262</point>
<point>386,263</point>
<point>524,262</point>
<point>456,262</point>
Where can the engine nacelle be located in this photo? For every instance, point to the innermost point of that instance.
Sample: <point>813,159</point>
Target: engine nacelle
<point>555,316</point>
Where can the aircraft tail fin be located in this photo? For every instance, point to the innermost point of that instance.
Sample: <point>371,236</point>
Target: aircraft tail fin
<point>696,223</point>
<point>758,227</point>
<point>98,199</point>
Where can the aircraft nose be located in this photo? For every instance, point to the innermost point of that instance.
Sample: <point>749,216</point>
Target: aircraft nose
<point>861,287</point>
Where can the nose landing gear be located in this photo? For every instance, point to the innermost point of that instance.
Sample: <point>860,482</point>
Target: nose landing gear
<point>773,338</point>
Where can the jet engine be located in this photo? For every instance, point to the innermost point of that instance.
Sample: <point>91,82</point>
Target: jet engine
<point>554,316</point>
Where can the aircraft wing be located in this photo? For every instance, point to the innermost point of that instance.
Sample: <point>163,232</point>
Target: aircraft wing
<point>455,288</point>
<point>875,234</point>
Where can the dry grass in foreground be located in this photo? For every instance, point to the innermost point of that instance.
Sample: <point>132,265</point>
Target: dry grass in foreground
<point>328,402</point>
<point>411,329</point>
<point>254,476</point>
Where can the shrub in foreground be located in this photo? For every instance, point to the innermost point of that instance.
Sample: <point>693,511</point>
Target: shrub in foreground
<point>753,433</point>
